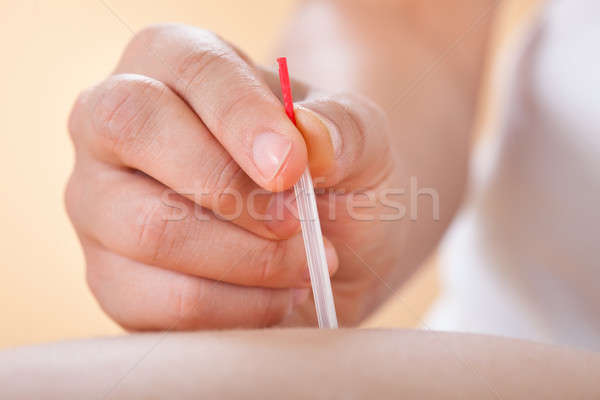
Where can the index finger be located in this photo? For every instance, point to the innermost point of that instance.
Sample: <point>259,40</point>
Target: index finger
<point>225,92</point>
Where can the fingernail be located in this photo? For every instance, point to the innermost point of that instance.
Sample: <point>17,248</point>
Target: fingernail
<point>299,296</point>
<point>332,130</point>
<point>270,150</point>
<point>322,140</point>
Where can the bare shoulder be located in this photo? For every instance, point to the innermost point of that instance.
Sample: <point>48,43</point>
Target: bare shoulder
<point>300,364</point>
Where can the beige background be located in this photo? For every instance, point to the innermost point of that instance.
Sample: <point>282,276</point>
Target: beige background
<point>51,50</point>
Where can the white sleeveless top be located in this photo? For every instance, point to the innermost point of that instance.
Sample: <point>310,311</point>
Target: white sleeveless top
<point>523,257</point>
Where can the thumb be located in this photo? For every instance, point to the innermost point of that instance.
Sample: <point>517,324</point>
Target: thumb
<point>347,140</point>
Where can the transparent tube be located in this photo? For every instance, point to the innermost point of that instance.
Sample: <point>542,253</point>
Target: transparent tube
<point>315,251</point>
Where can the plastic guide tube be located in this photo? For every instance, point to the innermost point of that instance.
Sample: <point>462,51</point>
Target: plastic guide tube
<point>311,226</point>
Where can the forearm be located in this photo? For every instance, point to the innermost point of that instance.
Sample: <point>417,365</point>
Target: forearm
<point>299,364</point>
<point>381,48</point>
<point>421,61</point>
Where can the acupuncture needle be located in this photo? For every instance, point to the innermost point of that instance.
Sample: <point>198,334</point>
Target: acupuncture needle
<point>310,224</point>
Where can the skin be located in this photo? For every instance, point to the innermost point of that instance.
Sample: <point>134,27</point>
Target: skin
<point>299,364</point>
<point>182,114</point>
<point>187,119</point>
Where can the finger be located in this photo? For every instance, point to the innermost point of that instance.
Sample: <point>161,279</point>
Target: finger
<point>346,135</point>
<point>225,92</point>
<point>138,122</point>
<point>168,231</point>
<point>143,297</point>
<point>359,154</point>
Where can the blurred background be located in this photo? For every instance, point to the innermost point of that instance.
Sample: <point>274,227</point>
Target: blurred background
<point>52,50</point>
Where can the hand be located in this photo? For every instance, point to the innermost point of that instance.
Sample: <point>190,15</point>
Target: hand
<point>184,162</point>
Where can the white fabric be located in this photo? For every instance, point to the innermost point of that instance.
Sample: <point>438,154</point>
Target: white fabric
<point>523,258</point>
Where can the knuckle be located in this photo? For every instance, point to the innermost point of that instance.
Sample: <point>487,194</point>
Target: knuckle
<point>224,183</point>
<point>77,115</point>
<point>154,37</point>
<point>194,67</point>
<point>358,109</point>
<point>363,124</point>
<point>148,37</point>
<point>377,117</point>
<point>157,238</point>
<point>269,261</point>
<point>244,99</point>
<point>126,106</point>
<point>185,309</point>
<point>350,119</point>
<point>273,311</point>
